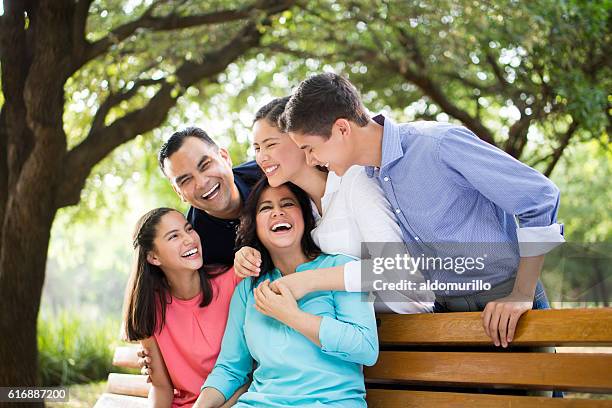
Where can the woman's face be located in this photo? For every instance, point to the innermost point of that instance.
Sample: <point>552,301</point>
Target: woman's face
<point>176,245</point>
<point>276,154</point>
<point>280,223</point>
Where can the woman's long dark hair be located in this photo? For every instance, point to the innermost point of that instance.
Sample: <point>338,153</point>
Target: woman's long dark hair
<point>247,232</point>
<point>148,286</point>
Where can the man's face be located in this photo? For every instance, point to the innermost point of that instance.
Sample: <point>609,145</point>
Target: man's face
<point>201,175</point>
<point>332,152</point>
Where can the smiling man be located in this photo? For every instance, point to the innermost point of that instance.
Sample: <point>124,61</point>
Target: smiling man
<point>201,174</point>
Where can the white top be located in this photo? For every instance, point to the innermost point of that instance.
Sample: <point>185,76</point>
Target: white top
<point>355,210</point>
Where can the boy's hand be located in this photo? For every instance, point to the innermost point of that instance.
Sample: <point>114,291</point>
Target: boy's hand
<point>144,362</point>
<point>297,283</point>
<point>281,307</point>
<point>501,316</point>
<point>247,262</point>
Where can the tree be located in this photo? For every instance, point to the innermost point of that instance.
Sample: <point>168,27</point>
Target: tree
<point>50,46</point>
<point>504,69</point>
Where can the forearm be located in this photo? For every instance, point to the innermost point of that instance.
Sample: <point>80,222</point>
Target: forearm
<point>325,279</point>
<point>306,324</point>
<point>234,398</point>
<point>527,275</point>
<point>160,397</point>
<point>209,398</point>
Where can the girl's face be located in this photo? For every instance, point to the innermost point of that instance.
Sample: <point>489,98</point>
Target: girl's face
<point>176,245</point>
<point>280,224</point>
<point>276,154</point>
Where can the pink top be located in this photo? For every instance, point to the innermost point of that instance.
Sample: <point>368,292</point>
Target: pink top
<point>190,340</point>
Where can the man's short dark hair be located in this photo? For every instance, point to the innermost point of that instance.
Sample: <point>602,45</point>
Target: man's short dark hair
<point>176,141</point>
<point>318,102</point>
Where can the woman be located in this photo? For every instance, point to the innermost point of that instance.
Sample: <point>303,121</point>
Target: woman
<point>353,211</point>
<point>308,353</point>
<point>175,306</point>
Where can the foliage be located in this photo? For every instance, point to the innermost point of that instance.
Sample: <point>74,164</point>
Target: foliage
<point>73,349</point>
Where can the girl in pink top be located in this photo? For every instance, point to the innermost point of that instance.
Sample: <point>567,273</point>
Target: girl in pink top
<point>176,307</point>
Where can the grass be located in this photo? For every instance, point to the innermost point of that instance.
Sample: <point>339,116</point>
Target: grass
<point>75,350</point>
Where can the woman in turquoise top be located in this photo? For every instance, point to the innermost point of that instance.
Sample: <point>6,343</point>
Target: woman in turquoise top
<point>307,353</point>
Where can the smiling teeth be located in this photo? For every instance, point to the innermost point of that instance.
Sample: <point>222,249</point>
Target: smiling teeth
<point>271,169</point>
<point>190,252</point>
<point>282,224</point>
<point>210,191</point>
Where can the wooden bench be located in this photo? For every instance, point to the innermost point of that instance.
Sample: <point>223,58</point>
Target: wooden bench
<point>446,360</point>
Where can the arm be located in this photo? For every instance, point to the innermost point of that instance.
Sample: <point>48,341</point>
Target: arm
<point>513,186</point>
<point>521,191</point>
<point>162,390</point>
<point>234,362</point>
<point>351,336</point>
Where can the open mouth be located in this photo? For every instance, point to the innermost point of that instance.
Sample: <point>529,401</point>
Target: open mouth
<point>212,193</point>
<point>191,253</point>
<point>281,227</point>
<point>271,169</point>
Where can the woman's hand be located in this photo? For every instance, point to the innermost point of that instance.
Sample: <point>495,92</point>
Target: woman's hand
<point>247,262</point>
<point>281,306</point>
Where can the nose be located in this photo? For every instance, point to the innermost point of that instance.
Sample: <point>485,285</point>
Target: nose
<point>311,160</point>
<point>278,211</point>
<point>200,180</point>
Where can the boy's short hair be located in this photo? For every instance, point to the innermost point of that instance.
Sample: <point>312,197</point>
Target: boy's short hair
<point>175,142</point>
<point>318,102</point>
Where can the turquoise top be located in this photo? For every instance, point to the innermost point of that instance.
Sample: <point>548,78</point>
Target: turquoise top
<point>291,370</point>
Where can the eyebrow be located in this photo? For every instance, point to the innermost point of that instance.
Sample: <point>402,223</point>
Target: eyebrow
<point>182,177</point>
<point>175,230</point>
<point>265,140</point>
<point>304,147</point>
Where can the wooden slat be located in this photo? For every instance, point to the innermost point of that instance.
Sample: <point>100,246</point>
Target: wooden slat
<point>563,327</point>
<point>128,384</point>
<point>409,399</point>
<point>126,356</point>
<point>570,372</point>
<point>120,401</point>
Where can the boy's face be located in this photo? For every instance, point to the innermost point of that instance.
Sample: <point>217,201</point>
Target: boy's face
<point>202,176</point>
<point>332,152</point>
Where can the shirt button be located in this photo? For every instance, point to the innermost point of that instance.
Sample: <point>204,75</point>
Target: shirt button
<point>397,210</point>
<point>386,179</point>
<point>416,238</point>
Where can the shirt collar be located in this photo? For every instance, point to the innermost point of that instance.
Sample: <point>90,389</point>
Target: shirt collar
<point>391,144</point>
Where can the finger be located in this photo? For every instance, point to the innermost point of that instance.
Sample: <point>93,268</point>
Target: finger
<point>494,324</point>
<point>247,265</point>
<point>259,297</point>
<point>284,290</point>
<point>514,318</point>
<point>503,328</point>
<point>274,286</point>
<point>486,317</point>
<point>266,291</point>
<point>254,257</point>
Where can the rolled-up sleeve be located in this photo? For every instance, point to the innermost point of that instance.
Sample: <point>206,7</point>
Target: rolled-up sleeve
<point>352,335</point>
<point>513,186</point>
<point>234,363</point>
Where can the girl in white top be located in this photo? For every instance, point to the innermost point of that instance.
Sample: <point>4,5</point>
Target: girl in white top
<point>349,210</point>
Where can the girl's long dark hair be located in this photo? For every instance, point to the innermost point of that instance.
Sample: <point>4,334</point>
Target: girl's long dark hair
<point>247,232</point>
<point>148,287</point>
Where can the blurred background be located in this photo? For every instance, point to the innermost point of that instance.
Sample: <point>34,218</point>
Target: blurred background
<point>532,77</point>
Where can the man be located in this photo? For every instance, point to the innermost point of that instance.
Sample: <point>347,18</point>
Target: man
<point>446,186</point>
<point>201,174</point>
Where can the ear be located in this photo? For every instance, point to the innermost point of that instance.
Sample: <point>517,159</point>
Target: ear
<point>225,156</point>
<point>342,128</point>
<point>152,258</point>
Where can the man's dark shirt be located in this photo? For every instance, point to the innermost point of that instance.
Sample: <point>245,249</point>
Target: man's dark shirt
<point>219,236</point>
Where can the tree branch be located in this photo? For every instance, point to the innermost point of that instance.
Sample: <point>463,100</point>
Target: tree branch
<point>173,22</point>
<point>558,152</point>
<point>102,140</point>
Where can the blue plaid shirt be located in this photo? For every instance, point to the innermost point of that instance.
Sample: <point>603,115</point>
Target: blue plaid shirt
<point>448,186</point>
